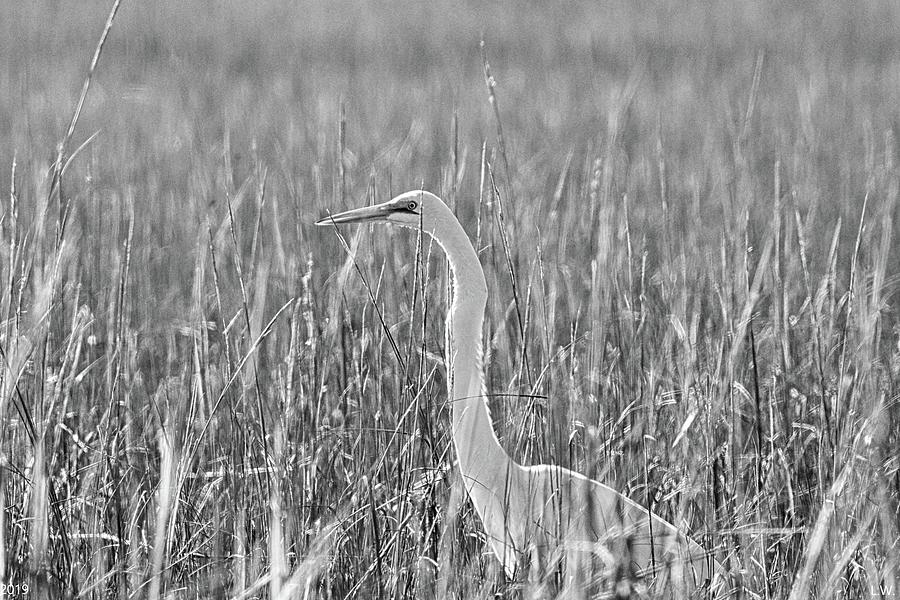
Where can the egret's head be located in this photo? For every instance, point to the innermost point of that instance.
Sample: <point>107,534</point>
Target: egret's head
<point>412,209</point>
<point>419,209</point>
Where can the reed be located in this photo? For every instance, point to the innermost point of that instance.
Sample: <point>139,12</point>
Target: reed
<point>687,232</point>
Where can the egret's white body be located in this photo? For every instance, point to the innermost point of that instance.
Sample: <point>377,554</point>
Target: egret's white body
<point>539,515</point>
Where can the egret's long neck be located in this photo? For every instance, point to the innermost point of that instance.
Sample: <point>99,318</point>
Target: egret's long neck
<point>479,452</point>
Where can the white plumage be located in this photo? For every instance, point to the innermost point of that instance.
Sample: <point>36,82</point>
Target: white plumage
<point>540,515</point>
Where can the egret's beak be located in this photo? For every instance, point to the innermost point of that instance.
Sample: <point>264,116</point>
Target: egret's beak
<point>378,212</point>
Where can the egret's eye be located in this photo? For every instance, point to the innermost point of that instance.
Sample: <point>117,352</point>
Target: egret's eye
<point>412,205</point>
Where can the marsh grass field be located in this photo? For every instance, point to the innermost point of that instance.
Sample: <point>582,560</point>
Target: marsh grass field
<point>686,215</point>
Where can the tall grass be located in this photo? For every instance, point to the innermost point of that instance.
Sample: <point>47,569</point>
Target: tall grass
<point>687,232</point>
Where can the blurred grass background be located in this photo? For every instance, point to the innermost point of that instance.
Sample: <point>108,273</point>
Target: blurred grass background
<point>684,203</point>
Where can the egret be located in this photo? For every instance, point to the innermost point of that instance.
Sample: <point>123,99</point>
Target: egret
<point>541,514</point>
